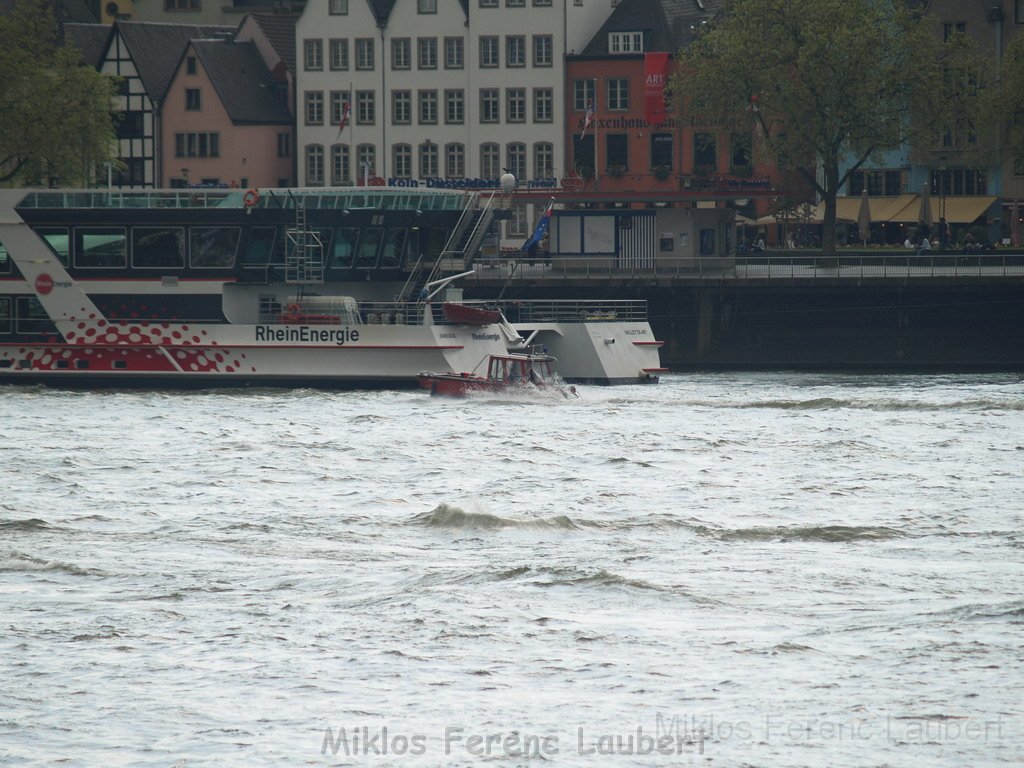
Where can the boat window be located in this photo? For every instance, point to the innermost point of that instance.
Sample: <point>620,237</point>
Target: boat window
<point>211,247</point>
<point>436,239</point>
<point>394,245</point>
<point>261,246</point>
<point>32,318</point>
<point>58,240</point>
<point>158,247</point>
<point>101,247</point>
<point>412,247</point>
<point>5,314</point>
<point>344,248</point>
<point>5,260</point>
<point>367,253</point>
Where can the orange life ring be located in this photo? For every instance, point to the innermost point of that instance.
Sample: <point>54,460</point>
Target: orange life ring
<point>251,198</point>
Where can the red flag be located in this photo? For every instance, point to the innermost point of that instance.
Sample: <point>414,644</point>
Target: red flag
<point>346,113</point>
<point>587,118</point>
<point>655,79</point>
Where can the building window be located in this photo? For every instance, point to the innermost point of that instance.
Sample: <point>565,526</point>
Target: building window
<point>454,106</point>
<point>618,93</point>
<point>338,7</point>
<point>455,161</point>
<point>542,3</point>
<point>705,153</point>
<point>339,54</point>
<point>516,159</point>
<point>543,45</point>
<point>625,42</point>
<point>314,165</point>
<point>197,144</point>
<point>428,160</point>
<point>338,101</point>
<point>617,151</point>
<point>341,171</point>
<point>401,107</point>
<point>515,105</point>
<point>517,224</point>
<point>314,54</point>
<point>952,29</point>
<point>401,53</point>
<point>314,108</point>
<point>583,94</point>
<point>876,182</point>
<point>959,181</point>
<point>741,159</point>
<point>1018,12</point>
<point>367,155</point>
<point>426,6</point>
<point>661,150</point>
<point>366,107</point>
<point>543,160</point>
<point>427,49</point>
<point>193,99</point>
<point>190,65</point>
<point>488,3</point>
<point>515,3</point>
<point>182,5</point>
<point>401,161</point>
<point>453,57</point>
<point>543,100</point>
<point>489,105</point>
<point>428,107</point>
<point>364,53</point>
<point>489,52</point>
<point>1018,162</point>
<point>284,145</point>
<point>515,51</point>
<point>490,160</point>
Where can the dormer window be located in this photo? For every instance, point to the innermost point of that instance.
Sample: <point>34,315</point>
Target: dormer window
<point>625,42</point>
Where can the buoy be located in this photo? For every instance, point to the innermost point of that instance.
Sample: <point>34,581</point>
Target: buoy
<point>251,198</point>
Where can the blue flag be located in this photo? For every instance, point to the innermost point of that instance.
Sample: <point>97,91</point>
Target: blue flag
<point>540,231</point>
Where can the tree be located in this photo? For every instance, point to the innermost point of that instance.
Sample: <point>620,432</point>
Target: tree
<point>1002,102</point>
<point>58,120</point>
<point>822,82</point>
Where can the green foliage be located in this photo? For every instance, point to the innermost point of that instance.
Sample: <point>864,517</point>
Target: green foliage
<point>1001,105</point>
<point>820,81</point>
<point>58,124</point>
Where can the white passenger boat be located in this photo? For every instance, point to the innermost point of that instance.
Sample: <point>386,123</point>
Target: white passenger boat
<point>326,287</point>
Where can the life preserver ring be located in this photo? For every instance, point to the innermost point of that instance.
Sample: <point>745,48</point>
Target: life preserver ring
<point>251,198</point>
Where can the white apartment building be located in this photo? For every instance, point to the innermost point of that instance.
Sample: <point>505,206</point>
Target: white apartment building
<point>442,92</point>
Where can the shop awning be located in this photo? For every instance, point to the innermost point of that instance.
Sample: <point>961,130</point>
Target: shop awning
<point>899,209</point>
<point>958,209</point>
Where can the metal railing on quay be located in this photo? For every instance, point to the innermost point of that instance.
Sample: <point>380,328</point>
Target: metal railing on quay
<point>768,266</point>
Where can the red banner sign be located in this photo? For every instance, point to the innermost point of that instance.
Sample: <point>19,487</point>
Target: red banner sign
<point>655,80</point>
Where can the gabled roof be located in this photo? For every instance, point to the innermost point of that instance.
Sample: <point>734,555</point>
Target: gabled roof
<point>381,10</point>
<point>279,29</point>
<point>89,39</point>
<point>242,82</point>
<point>668,25</point>
<point>156,49</point>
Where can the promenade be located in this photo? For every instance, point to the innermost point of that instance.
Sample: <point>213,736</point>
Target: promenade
<point>764,267</point>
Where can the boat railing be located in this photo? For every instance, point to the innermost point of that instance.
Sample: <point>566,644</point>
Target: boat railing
<point>572,311</point>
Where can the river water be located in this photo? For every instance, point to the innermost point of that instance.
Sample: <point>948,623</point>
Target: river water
<point>721,570</point>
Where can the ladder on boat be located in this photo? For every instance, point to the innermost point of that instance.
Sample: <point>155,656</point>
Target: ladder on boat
<point>304,251</point>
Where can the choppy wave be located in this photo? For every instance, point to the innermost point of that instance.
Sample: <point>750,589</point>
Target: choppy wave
<point>449,516</point>
<point>822,533</point>
<point>25,526</point>
<point>17,562</point>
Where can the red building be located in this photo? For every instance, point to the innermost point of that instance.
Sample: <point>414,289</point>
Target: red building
<point>615,148</point>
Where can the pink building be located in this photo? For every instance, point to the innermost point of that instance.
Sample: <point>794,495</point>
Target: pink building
<point>225,120</point>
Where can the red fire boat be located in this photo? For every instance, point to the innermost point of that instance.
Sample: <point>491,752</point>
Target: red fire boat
<point>504,372</point>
